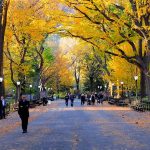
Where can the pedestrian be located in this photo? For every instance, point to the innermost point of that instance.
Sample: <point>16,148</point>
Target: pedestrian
<point>66,99</point>
<point>71,99</point>
<point>88,99</point>
<point>93,99</point>
<point>82,99</point>
<point>101,98</point>
<point>96,96</point>
<point>44,97</point>
<point>3,107</point>
<point>23,111</point>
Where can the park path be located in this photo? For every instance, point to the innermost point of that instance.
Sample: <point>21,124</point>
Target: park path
<point>55,127</point>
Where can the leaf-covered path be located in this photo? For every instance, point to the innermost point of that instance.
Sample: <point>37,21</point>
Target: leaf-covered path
<point>55,127</point>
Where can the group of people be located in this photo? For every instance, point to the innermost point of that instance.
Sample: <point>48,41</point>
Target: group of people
<point>2,108</point>
<point>70,97</point>
<point>91,98</point>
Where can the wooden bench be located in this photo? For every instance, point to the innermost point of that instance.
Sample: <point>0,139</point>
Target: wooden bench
<point>139,107</point>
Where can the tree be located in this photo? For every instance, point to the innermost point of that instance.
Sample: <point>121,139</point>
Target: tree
<point>4,4</point>
<point>25,36</point>
<point>112,25</point>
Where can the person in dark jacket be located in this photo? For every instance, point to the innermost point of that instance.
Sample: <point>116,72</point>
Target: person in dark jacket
<point>43,96</point>
<point>66,99</point>
<point>82,99</point>
<point>88,99</point>
<point>101,98</point>
<point>23,112</point>
<point>3,107</point>
<point>93,99</point>
<point>72,99</point>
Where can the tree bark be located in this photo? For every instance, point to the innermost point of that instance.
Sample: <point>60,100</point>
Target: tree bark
<point>147,62</point>
<point>1,47</point>
<point>3,20</point>
<point>142,75</point>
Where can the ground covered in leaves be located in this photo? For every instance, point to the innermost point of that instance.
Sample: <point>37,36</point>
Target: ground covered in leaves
<point>57,127</point>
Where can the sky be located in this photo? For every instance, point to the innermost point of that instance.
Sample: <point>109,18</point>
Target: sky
<point>64,44</point>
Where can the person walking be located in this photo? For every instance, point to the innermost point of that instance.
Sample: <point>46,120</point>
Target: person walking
<point>66,99</point>
<point>93,99</point>
<point>72,99</point>
<point>88,99</point>
<point>3,107</point>
<point>82,99</point>
<point>101,98</point>
<point>44,96</point>
<point>23,111</point>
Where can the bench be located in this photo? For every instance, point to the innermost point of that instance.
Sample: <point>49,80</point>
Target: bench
<point>112,101</point>
<point>139,107</point>
<point>121,103</point>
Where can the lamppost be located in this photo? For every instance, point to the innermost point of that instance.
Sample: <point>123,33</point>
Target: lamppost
<point>18,91</point>
<point>136,78</point>
<point>13,93</point>
<point>40,87</point>
<point>122,87</point>
<point>30,90</point>
<point>1,87</point>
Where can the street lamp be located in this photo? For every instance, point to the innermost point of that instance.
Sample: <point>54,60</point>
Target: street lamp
<point>122,87</point>
<point>30,90</point>
<point>1,87</point>
<point>18,90</point>
<point>136,78</point>
<point>1,79</point>
<point>18,82</point>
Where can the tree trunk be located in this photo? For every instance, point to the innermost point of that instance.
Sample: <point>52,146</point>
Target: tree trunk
<point>37,83</point>
<point>148,87</point>
<point>1,47</point>
<point>142,74</point>
<point>77,85</point>
<point>142,84</point>
<point>3,20</point>
<point>146,60</point>
<point>148,69</point>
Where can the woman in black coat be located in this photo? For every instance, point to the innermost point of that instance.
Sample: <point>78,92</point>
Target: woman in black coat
<point>23,112</point>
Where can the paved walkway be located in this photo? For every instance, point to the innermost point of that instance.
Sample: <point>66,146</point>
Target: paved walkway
<point>55,127</point>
